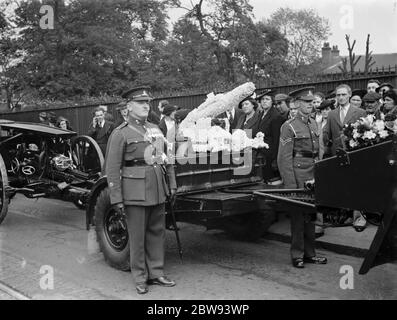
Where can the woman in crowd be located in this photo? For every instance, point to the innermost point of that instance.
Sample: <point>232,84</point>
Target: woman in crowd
<point>356,100</point>
<point>250,118</point>
<point>390,105</point>
<point>63,123</point>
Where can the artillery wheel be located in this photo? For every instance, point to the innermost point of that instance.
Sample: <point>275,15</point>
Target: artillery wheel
<point>112,233</point>
<point>86,155</point>
<point>249,226</point>
<point>3,190</point>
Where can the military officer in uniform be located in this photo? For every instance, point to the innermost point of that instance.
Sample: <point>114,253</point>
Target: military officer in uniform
<point>139,182</point>
<point>298,150</point>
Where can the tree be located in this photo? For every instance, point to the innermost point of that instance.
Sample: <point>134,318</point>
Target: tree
<point>368,57</point>
<point>216,20</point>
<point>261,49</point>
<point>11,58</point>
<point>97,46</point>
<point>305,31</point>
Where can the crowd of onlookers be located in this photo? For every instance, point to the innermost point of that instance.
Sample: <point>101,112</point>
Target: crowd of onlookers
<point>265,112</point>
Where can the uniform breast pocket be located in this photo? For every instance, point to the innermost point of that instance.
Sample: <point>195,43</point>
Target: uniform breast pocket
<point>134,184</point>
<point>303,163</point>
<point>131,146</point>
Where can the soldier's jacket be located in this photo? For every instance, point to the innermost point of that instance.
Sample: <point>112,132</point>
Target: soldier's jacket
<point>132,180</point>
<point>298,135</point>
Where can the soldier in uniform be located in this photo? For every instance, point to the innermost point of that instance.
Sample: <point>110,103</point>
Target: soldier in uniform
<point>139,182</point>
<point>298,150</point>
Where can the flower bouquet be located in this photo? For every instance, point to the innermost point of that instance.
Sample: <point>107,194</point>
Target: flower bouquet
<point>217,104</point>
<point>365,132</point>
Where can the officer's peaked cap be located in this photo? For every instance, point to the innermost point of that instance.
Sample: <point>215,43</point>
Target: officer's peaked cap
<point>138,94</point>
<point>305,94</point>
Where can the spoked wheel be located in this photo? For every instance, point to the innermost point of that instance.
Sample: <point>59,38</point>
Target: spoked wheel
<point>86,155</point>
<point>3,190</point>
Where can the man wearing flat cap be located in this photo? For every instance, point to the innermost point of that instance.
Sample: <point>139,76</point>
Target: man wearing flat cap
<point>140,180</point>
<point>345,113</point>
<point>281,102</point>
<point>297,153</point>
<point>372,104</point>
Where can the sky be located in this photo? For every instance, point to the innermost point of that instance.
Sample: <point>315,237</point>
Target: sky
<point>354,17</point>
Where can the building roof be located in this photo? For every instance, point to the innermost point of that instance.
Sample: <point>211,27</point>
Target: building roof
<point>382,60</point>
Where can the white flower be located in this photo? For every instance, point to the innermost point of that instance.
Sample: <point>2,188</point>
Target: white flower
<point>356,134</point>
<point>379,125</point>
<point>383,134</point>
<point>369,135</point>
<point>260,135</point>
<point>216,104</point>
<point>353,143</point>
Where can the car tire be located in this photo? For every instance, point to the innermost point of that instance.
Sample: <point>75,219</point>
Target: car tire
<point>116,254</point>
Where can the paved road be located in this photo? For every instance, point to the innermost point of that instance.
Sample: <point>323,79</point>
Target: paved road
<point>41,238</point>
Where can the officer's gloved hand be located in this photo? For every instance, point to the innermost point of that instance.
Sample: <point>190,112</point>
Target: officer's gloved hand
<point>309,185</point>
<point>119,208</point>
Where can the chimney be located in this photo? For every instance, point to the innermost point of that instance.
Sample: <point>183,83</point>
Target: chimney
<point>326,57</point>
<point>335,52</point>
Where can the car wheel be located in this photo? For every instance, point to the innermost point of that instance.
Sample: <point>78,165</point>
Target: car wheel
<point>112,233</point>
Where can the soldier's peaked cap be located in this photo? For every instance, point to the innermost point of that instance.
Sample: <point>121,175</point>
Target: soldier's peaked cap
<point>305,94</point>
<point>141,93</point>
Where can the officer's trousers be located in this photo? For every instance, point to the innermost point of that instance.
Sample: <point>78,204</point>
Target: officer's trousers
<point>146,229</point>
<point>302,235</point>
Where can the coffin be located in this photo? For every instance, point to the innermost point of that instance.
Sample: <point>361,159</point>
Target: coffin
<point>210,171</point>
<point>361,179</point>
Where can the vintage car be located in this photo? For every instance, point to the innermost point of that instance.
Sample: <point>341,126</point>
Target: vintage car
<point>38,160</point>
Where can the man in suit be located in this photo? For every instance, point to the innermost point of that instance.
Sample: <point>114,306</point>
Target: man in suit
<point>100,129</point>
<point>269,124</point>
<point>343,114</point>
<point>108,116</point>
<point>298,151</point>
<point>232,117</point>
<point>137,177</point>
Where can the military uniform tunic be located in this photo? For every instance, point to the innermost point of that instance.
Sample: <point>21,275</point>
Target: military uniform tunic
<point>299,139</point>
<point>136,177</point>
<point>298,150</point>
